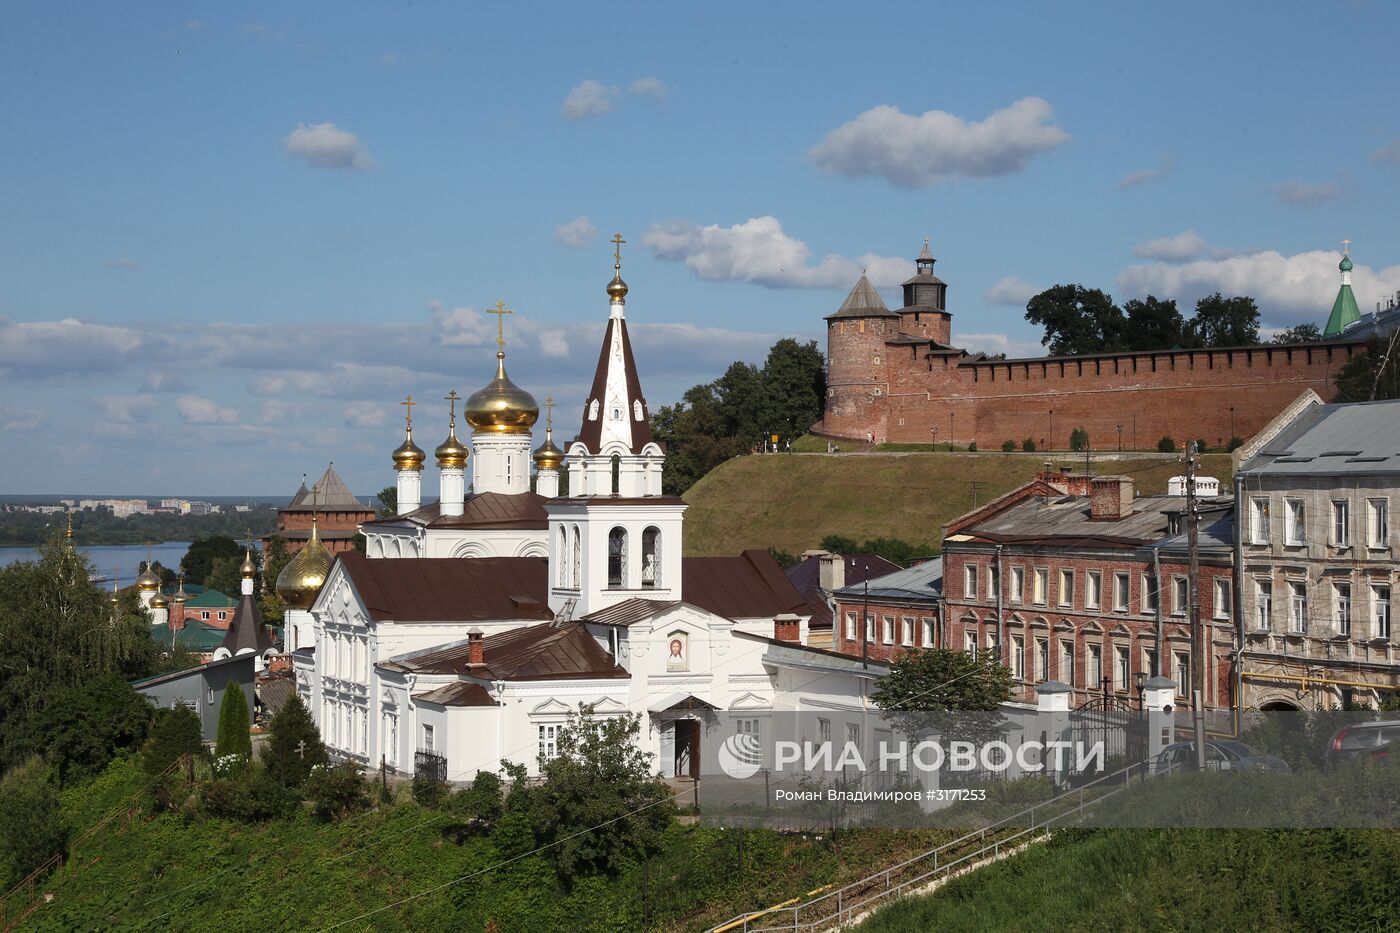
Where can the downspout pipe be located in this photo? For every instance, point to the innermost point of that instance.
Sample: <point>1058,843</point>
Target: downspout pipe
<point>1001,621</point>
<point>1161,628</point>
<point>1237,603</point>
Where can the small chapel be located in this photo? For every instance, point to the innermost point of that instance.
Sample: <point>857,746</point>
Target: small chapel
<point>474,625</point>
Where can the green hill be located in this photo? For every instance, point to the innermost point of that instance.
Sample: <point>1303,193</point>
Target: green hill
<point>792,501</point>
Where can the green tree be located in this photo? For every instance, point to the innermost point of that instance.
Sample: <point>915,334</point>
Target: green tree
<point>1154,324</point>
<point>31,822</point>
<point>1079,440</point>
<point>1166,445</point>
<point>1301,333</point>
<point>388,502</point>
<point>600,805</point>
<point>924,687</point>
<point>741,402</point>
<point>277,558</point>
<point>794,383</point>
<point>174,732</point>
<point>85,727</point>
<point>233,737</point>
<point>198,562</point>
<point>1077,320</point>
<point>1373,375</point>
<point>288,760</point>
<point>1225,322</point>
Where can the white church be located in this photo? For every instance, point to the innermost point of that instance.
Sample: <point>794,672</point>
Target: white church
<point>473,625</point>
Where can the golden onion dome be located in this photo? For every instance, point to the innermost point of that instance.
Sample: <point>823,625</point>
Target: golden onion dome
<point>148,581</point>
<point>408,455</point>
<point>501,406</point>
<point>180,595</point>
<point>158,601</point>
<point>247,570</point>
<point>451,452</point>
<point>114,598</point>
<point>548,456</point>
<point>617,289</point>
<point>301,579</point>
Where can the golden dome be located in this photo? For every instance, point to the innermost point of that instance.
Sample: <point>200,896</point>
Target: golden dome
<point>408,456</point>
<point>547,456</point>
<point>158,601</point>
<point>501,406</point>
<point>147,581</point>
<point>114,598</point>
<point>247,570</point>
<point>617,289</point>
<point>451,452</point>
<point>301,579</point>
<point>180,595</point>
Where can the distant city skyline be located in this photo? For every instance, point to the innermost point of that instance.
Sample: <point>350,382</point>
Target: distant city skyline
<point>234,240</point>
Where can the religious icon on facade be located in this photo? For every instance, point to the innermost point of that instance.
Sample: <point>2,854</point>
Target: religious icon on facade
<point>678,651</point>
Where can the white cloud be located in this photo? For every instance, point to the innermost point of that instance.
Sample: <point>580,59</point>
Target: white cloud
<point>577,232</point>
<point>326,145</point>
<point>589,99</point>
<point>1010,291</point>
<point>122,263</point>
<point>127,409</point>
<point>195,409</point>
<point>194,25</point>
<point>1179,248</point>
<point>1144,175</point>
<point>998,343</point>
<point>158,381</point>
<point>1303,194</point>
<point>365,415</point>
<point>648,87</point>
<point>20,420</point>
<point>1388,154</point>
<point>1288,289</point>
<point>49,349</point>
<point>554,343</point>
<point>388,58</point>
<point>919,151</point>
<point>758,251</point>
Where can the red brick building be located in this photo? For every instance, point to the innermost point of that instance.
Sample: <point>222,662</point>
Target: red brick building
<point>1074,565</point>
<point>903,611</point>
<point>338,516</point>
<point>894,376</point>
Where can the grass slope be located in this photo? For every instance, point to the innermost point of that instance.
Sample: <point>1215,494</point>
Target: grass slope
<point>792,501</point>
<point>1171,880</point>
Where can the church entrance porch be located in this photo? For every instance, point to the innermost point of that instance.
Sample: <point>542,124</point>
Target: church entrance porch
<point>686,752</point>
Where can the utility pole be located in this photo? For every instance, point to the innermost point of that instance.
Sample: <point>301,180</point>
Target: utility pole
<point>865,622</point>
<point>1193,602</point>
<point>976,485</point>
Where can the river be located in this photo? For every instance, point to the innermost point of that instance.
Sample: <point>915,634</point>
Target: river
<point>122,559</point>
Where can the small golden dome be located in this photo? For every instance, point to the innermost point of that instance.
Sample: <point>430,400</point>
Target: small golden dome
<point>501,406</point>
<point>451,452</point>
<point>114,598</point>
<point>180,595</point>
<point>247,570</point>
<point>148,581</point>
<point>158,601</point>
<point>301,579</point>
<point>408,456</point>
<point>547,456</point>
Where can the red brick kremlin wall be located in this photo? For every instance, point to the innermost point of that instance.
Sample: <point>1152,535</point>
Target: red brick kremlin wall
<point>900,393</point>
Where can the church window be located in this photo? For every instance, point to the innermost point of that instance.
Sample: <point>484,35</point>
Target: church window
<point>561,556</point>
<point>616,474</point>
<point>617,558</point>
<point>637,409</point>
<point>428,738</point>
<point>510,463</point>
<point>574,569</point>
<point>391,738</point>
<point>549,741</point>
<point>617,414</point>
<point>651,557</point>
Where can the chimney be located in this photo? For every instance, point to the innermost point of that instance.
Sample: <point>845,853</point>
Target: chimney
<point>1110,498</point>
<point>833,571</point>
<point>787,627</point>
<point>476,647</point>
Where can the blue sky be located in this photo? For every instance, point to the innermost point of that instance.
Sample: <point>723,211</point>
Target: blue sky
<point>233,240</point>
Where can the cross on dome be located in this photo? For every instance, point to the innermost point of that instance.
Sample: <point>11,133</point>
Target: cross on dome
<point>500,311</point>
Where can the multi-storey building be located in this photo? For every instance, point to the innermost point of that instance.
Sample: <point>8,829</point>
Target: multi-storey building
<point>903,611</point>
<point>1316,490</point>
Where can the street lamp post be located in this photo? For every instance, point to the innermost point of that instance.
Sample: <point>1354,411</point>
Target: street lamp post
<point>1050,438</point>
<point>1232,423</point>
<point>1140,681</point>
<point>1120,438</point>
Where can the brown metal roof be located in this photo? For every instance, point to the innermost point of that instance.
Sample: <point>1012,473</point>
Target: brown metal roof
<point>535,652</point>
<point>749,586</point>
<point>481,510</point>
<point>590,435</point>
<point>629,611</point>
<point>408,589</point>
<point>460,693</point>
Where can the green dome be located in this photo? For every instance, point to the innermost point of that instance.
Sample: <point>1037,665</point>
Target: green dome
<point>1345,264</point>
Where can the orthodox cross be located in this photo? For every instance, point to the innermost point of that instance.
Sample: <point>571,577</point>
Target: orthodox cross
<point>301,748</point>
<point>500,311</point>
<point>617,242</point>
<point>451,398</point>
<point>1346,247</point>
<point>249,540</point>
<point>549,413</point>
<point>408,404</point>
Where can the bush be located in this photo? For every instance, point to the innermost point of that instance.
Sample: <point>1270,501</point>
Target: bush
<point>252,797</point>
<point>31,827</point>
<point>1028,445</point>
<point>288,760</point>
<point>337,791</point>
<point>1008,446</point>
<point>1166,445</point>
<point>1236,443</point>
<point>427,792</point>
<point>972,448</point>
<point>174,732</point>
<point>233,736</point>
<point>1079,440</point>
<point>85,727</point>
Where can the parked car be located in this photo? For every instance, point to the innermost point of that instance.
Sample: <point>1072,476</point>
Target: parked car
<point>1221,755</point>
<point>1364,739</point>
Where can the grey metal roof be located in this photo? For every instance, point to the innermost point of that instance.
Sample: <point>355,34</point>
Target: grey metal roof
<point>330,495</point>
<point>1357,439</point>
<point>1039,518</point>
<point>863,301</point>
<point>922,581</point>
<point>1217,533</point>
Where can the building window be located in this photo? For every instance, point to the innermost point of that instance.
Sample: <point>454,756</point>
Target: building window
<point>1341,523</point>
<point>1181,661</point>
<point>1378,518</point>
<point>1067,662</point>
<point>575,568</point>
<point>850,626</point>
<point>993,582</point>
<point>204,616</point>
<point>970,642</point>
<point>1380,610</point>
<point>1258,521</point>
<point>1298,607</point>
<point>1093,589</point>
<point>1149,661</point>
<point>428,739</point>
<point>1120,592</point>
<point>1295,531</point>
<point>928,633</point>
<point>1122,671</point>
<point>1149,594</point>
<point>869,628</point>
<point>1181,596</point>
<point>391,738</point>
<point>887,629</point>
<point>1018,657</point>
<point>616,469</point>
<point>364,732</point>
<point>549,740</point>
<point>563,556</point>
<point>617,559</point>
<point>1066,594</point>
<point>651,557</point>
<point>824,731</point>
<point>1042,660</point>
<point>1095,671</point>
<point>1263,605</point>
<point>1040,586</point>
<point>908,630</point>
<point>1018,585</point>
<point>1221,609</point>
<point>970,581</point>
<point>1341,596</point>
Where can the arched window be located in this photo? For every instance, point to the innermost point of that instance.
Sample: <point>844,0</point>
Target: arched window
<point>575,572</point>
<point>651,557</point>
<point>617,559</point>
<point>616,474</point>
<point>561,556</point>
